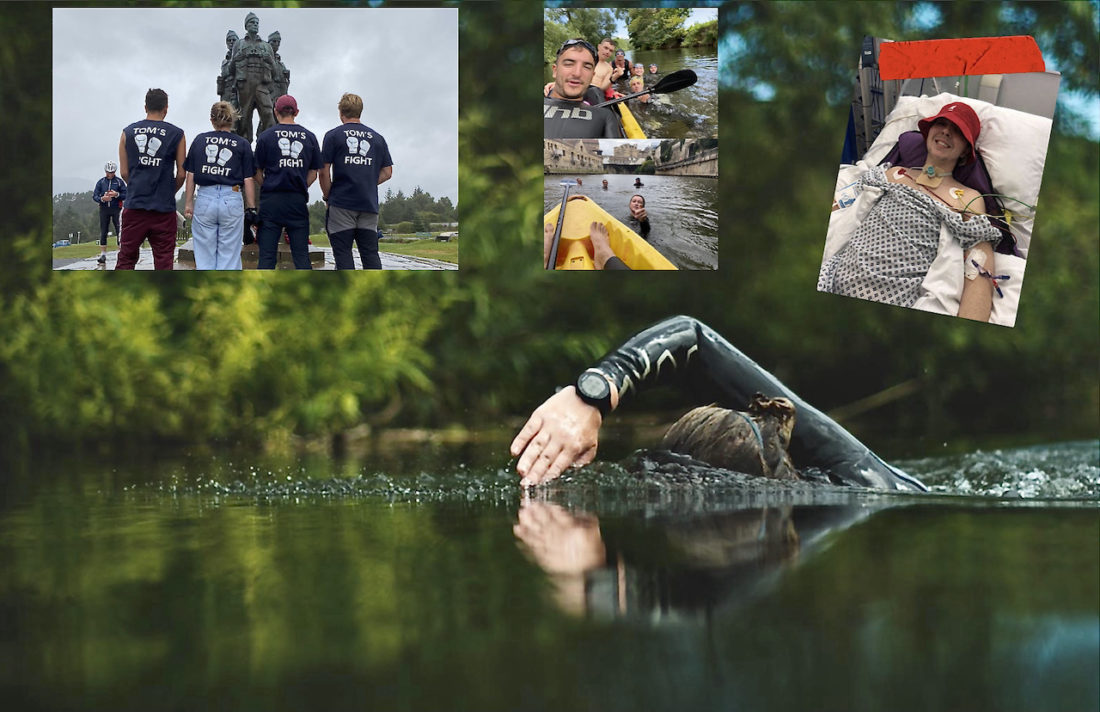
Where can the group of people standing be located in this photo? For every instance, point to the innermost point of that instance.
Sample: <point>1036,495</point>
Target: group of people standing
<point>223,174</point>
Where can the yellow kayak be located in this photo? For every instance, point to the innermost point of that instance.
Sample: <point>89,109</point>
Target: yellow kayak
<point>575,249</point>
<point>630,124</point>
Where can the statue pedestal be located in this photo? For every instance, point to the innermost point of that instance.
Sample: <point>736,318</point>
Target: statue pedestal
<point>250,256</point>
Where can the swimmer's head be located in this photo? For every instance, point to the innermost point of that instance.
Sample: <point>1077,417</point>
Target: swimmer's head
<point>636,84</point>
<point>963,118</point>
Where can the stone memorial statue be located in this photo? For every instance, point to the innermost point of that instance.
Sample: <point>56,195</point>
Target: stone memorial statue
<point>252,76</point>
<point>282,74</point>
<point>227,91</point>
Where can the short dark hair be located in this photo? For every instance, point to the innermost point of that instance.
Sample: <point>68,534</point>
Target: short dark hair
<point>610,41</point>
<point>156,100</point>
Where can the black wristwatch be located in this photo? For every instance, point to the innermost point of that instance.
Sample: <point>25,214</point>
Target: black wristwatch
<point>593,389</point>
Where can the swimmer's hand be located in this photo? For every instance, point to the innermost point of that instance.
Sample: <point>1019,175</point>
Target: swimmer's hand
<point>562,432</point>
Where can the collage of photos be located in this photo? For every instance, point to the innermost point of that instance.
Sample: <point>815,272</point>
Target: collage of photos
<point>937,191</point>
<point>848,461</point>
<point>630,139</point>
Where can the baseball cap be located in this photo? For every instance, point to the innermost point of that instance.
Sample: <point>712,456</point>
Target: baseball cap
<point>286,101</point>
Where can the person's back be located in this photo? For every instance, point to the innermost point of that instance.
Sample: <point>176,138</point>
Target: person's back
<point>150,154</point>
<point>355,161</point>
<point>357,153</point>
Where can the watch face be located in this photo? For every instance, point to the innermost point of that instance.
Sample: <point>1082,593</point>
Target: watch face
<point>593,385</point>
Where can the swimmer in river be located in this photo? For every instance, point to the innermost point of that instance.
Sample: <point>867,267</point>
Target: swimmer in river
<point>638,216</point>
<point>780,436</point>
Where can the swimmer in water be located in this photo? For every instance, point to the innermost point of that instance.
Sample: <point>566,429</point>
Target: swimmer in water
<point>563,432</point>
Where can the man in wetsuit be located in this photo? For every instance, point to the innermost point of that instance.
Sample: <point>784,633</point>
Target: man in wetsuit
<point>150,155</point>
<point>563,431</point>
<point>108,195</point>
<point>568,110</point>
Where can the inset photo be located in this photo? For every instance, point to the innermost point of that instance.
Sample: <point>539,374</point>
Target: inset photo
<point>630,73</point>
<point>630,205</point>
<point>227,139</point>
<point>937,191</point>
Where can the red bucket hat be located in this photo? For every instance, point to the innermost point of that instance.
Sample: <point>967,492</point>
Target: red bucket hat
<point>962,116</point>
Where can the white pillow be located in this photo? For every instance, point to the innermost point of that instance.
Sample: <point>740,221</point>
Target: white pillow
<point>1012,143</point>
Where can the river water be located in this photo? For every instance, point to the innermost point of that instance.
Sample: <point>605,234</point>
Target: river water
<point>683,211</point>
<point>413,583</point>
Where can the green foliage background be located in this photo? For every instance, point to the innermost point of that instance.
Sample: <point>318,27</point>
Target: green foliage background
<point>261,357</point>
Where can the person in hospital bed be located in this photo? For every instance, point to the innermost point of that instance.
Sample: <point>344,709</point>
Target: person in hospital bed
<point>890,253</point>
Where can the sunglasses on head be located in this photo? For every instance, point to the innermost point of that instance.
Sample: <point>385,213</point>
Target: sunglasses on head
<point>576,43</point>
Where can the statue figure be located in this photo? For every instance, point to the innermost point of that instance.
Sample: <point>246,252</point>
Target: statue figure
<point>227,88</point>
<point>253,71</point>
<point>282,74</point>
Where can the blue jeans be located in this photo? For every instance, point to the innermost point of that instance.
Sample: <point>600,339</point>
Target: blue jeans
<point>218,227</point>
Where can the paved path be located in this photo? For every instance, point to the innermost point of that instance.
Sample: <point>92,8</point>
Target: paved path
<point>145,262</point>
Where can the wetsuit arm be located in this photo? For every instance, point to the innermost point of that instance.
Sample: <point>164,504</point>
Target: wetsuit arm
<point>684,351</point>
<point>615,263</point>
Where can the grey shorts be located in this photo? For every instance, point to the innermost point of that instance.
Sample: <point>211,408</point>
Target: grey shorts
<point>342,219</point>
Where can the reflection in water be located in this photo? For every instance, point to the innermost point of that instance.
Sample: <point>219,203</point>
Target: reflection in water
<point>706,561</point>
<point>683,211</point>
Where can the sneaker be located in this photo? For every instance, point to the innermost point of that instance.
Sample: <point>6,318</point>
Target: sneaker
<point>102,259</point>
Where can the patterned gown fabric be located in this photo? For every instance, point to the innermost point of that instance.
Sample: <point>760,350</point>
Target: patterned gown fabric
<point>889,254</point>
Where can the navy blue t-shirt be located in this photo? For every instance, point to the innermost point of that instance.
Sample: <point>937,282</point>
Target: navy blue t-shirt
<point>286,153</point>
<point>151,158</point>
<point>220,158</point>
<point>357,154</point>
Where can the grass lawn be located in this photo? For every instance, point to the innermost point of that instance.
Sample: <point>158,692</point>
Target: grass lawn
<point>429,249</point>
<point>85,249</point>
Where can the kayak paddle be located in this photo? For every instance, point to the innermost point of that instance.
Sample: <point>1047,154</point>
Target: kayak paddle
<point>553,261</point>
<point>676,81</point>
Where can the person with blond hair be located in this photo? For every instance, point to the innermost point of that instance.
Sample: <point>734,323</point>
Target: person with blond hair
<point>220,165</point>
<point>356,160</point>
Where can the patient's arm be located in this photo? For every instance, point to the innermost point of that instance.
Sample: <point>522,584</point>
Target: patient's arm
<point>977,296</point>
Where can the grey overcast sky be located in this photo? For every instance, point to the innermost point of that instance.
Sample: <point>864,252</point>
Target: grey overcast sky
<point>402,61</point>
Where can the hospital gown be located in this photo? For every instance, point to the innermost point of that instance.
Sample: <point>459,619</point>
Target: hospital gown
<point>890,253</point>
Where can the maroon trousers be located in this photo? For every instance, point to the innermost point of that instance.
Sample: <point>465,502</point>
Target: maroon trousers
<point>160,228</point>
